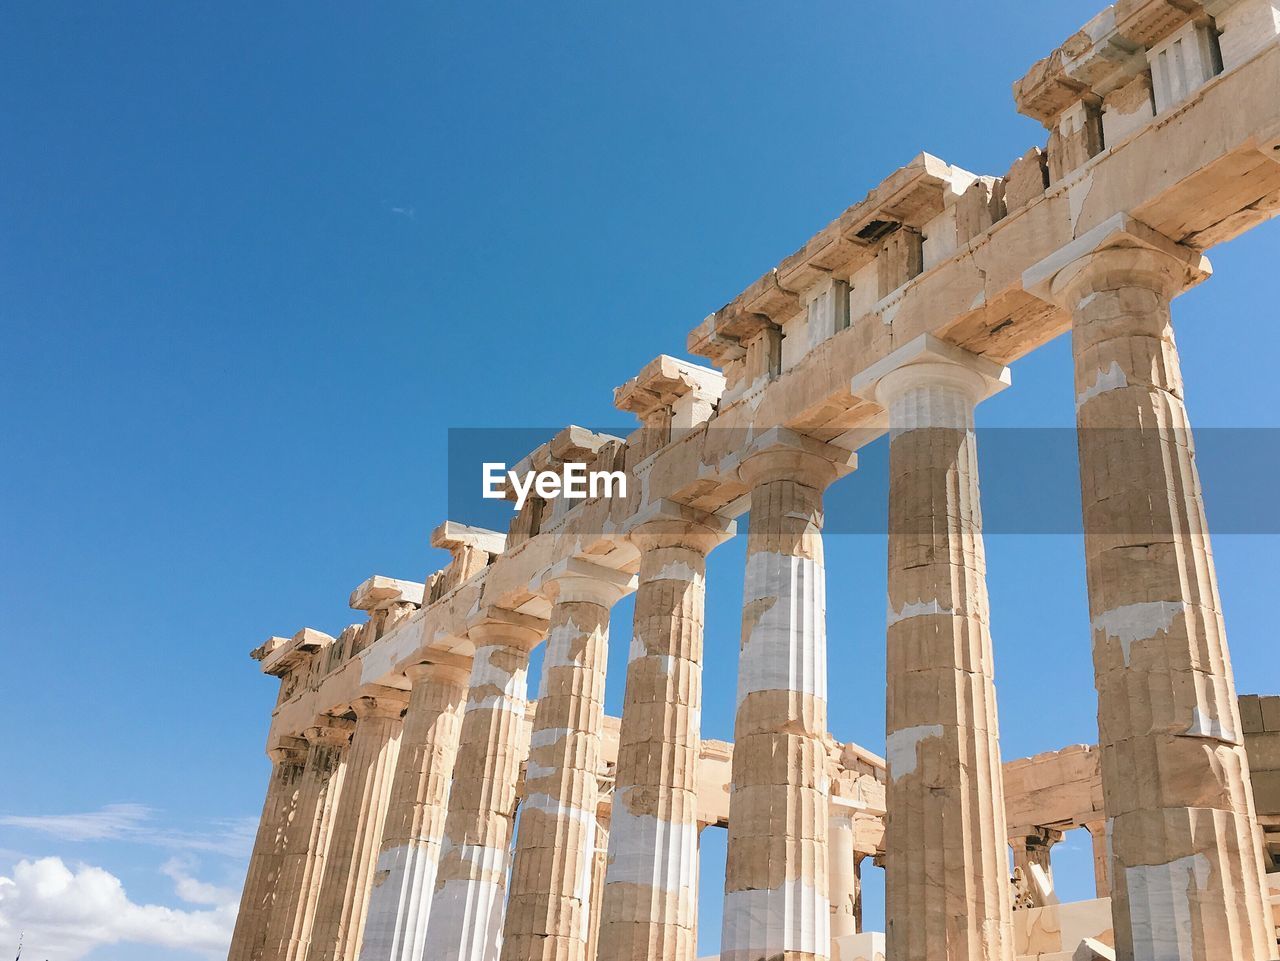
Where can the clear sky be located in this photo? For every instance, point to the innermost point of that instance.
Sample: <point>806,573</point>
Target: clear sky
<point>256,259</point>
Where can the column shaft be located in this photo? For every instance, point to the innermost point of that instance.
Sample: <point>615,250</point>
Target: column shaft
<point>357,832</point>
<point>465,922</point>
<point>947,892</point>
<point>307,841</point>
<point>1188,877</point>
<point>249,938</point>
<point>776,904</point>
<point>1101,858</point>
<point>650,896</point>
<point>405,876</point>
<point>548,909</point>
<point>845,884</point>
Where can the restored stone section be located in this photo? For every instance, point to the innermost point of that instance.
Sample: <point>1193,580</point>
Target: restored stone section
<point>650,895</point>
<point>288,763</point>
<point>947,891</point>
<point>306,843</point>
<point>405,874</point>
<point>548,909</point>
<point>465,923</point>
<point>776,904</point>
<point>1187,879</point>
<point>357,828</point>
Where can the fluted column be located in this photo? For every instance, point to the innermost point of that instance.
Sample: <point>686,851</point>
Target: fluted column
<point>307,839</point>
<point>288,759</point>
<point>1101,857</point>
<point>466,913</point>
<point>357,830</point>
<point>548,908</point>
<point>947,891</point>
<point>650,896</point>
<point>405,877</point>
<point>844,866</point>
<point>776,900</point>
<point>1187,874</point>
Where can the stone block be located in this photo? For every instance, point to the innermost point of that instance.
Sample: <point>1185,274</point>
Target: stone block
<point>1251,714</point>
<point>1271,713</point>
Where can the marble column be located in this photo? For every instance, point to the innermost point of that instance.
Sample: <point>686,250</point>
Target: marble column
<point>548,908</point>
<point>599,864</point>
<point>947,891</point>
<point>307,839</point>
<point>844,870</point>
<point>1101,857</point>
<point>1187,873</point>
<point>288,760</point>
<point>465,922</point>
<point>776,901</point>
<point>650,895</point>
<point>357,827</point>
<point>405,877</point>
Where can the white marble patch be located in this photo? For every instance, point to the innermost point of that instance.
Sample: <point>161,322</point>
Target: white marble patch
<point>916,609</point>
<point>1137,622</point>
<point>400,902</point>
<point>763,923</point>
<point>646,850</point>
<point>1112,378</point>
<point>786,649</point>
<point>1160,907</point>
<point>901,747</point>
<point>466,921</point>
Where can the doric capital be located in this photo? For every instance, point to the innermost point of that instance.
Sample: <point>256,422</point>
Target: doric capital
<point>574,579</point>
<point>499,626</point>
<point>665,523</point>
<point>783,454</point>
<point>329,731</point>
<point>441,669</point>
<point>288,749</point>
<point>380,702</point>
<point>1119,252</point>
<point>928,361</point>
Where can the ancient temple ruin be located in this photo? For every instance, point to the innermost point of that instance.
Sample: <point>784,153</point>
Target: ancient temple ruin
<point>404,747</point>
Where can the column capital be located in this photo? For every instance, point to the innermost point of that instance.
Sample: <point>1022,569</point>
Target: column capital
<point>665,523</point>
<point>288,749</point>
<point>330,731</point>
<point>442,668</point>
<point>497,625</point>
<point>780,453</point>
<point>1120,251</point>
<point>378,701</point>
<point>574,579</point>
<point>928,361</point>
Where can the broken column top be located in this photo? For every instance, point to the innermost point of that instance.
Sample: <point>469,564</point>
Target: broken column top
<point>665,380</point>
<point>378,591</point>
<point>283,657</point>
<point>453,536</point>
<point>910,196</point>
<point>1101,56</point>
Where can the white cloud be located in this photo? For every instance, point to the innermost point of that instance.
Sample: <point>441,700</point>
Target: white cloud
<point>109,823</point>
<point>65,912</point>
<point>193,891</point>
<point>232,837</point>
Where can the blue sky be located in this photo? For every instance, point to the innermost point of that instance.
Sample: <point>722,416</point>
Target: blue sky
<point>256,261</point>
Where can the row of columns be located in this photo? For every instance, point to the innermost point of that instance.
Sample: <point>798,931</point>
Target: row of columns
<point>1184,859</point>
